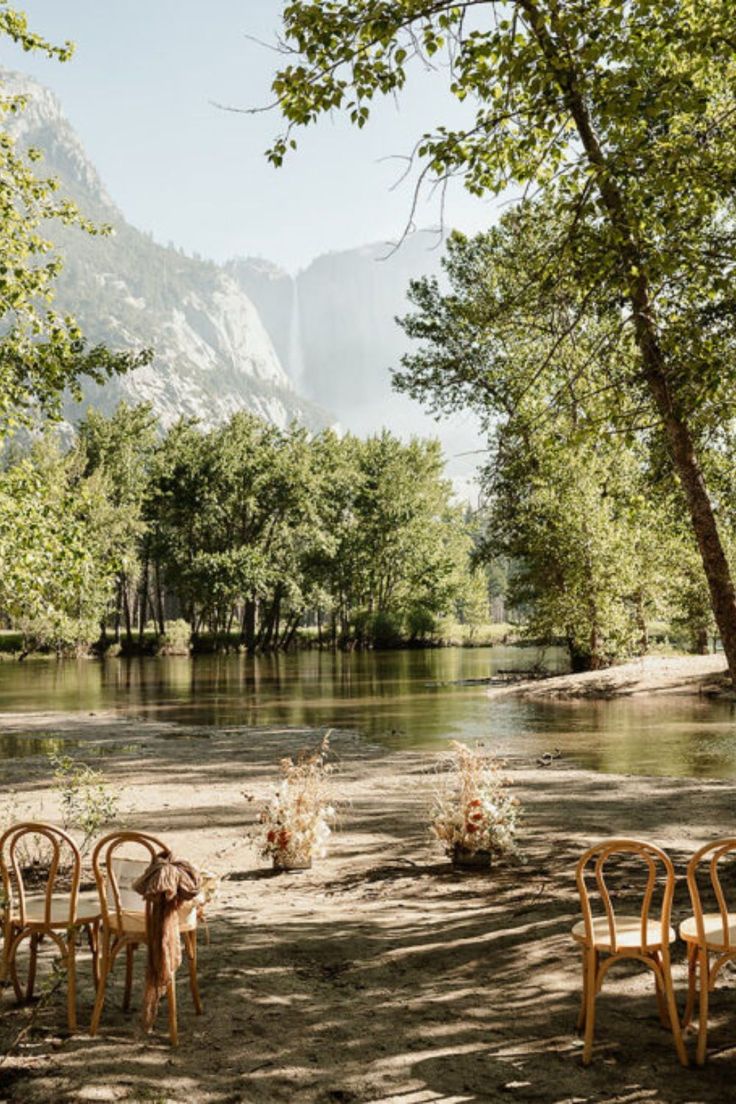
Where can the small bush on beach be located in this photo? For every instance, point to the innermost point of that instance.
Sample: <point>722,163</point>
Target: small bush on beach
<point>177,639</point>
<point>297,819</point>
<point>473,809</point>
<point>88,803</point>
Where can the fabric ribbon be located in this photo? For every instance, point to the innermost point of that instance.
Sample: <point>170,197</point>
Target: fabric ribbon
<point>165,884</point>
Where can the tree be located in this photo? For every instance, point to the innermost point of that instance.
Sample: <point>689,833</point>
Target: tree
<point>121,448</point>
<point>59,537</point>
<point>580,502</point>
<point>585,547</point>
<point>41,352</point>
<point>254,527</point>
<point>618,118</point>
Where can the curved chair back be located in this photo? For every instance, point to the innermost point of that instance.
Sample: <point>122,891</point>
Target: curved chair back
<point>114,873</point>
<point>65,858</point>
<point>658,870</point>
<point>712,853</point>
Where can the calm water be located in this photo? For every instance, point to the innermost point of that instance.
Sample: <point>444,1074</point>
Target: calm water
<point>400,699</point>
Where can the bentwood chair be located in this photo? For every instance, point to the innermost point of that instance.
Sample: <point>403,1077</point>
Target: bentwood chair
<point>706,934</point>
<point>54,909</point>
<point>125,918</point>
<point>611,937</point>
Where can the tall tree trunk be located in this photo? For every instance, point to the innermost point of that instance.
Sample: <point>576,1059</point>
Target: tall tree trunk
<point>287,636</point>
<point>679,438</point>
<point>641,624</point>
<point>126,614</point>
<point>143,608</point>
<point>250,614</point>
<point>272,622</point>
<point>118,603</point>
<point>160,617</point>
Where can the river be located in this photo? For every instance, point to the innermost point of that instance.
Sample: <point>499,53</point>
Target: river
<point>403,699</point>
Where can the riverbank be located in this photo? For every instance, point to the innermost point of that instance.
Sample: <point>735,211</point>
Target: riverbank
<point>452,634</point>
<point>649,675</point>
<point>379,975</point>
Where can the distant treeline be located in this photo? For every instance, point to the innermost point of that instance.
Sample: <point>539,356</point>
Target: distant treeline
<point>247,536</point>
<point>244,532</point>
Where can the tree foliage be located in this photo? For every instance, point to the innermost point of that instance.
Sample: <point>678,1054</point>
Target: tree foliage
<point>578,501</point>
<point>246,531</point>
<point>41,351</point>
<point>252,524</point>
<point>58,537</point>
<point>618,120</point>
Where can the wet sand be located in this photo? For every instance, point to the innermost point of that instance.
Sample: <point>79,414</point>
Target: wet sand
<point>379,975</point>
<point>648,675</point>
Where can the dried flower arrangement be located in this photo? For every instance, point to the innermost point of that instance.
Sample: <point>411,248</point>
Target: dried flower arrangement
<point>298,817</point>
<point>473,814</point>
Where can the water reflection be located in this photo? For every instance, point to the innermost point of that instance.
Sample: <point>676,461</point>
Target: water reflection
<point>400,699</point>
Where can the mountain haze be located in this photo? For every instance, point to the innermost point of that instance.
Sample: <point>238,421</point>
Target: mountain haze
<point>334,323</point>
<point>213,356</point>
<point>245,335</point>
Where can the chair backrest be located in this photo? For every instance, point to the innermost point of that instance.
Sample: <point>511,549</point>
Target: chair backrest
<point>64,860</point>
<point>659,872</point>
<point>712,853</point>
<point>115,873</point>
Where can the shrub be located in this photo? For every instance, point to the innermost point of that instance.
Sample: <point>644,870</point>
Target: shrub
<point>87,801</point>
<point>385,629</point>
<point>421,623</point>
<point>177,639</point>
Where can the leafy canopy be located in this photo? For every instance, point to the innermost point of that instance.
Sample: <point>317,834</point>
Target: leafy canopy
<point>657,84</point>
<point>41,351</point>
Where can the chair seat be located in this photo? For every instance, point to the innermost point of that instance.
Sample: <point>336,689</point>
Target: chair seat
<point>628,933</point>
<point>134,920</point>
<point>713,925</point>
<point>88,910</point>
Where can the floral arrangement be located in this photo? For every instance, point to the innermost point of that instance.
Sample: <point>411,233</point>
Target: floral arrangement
<point>473,810</point>
<point>298,818</point>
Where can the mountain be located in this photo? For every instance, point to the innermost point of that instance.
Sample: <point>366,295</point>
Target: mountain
<point>213,355</point>
<point>334,326</point>
<point>245,335</point>
<point>334,323</point>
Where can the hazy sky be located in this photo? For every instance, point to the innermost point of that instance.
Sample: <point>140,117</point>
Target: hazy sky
<point>140,92</point>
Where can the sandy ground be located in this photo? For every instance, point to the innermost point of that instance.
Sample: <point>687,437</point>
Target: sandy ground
<point>648,675</point>
<point>379,975</point>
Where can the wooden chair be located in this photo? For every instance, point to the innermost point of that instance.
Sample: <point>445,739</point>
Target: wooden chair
<point>636,935</point>
<point>56,911</point>
<point>125,918</point>
<point>706,934</point>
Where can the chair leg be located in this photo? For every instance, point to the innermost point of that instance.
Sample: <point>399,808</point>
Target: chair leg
<point>71,981</point>
<point>672,1008</point>
<point>4,964</point>
<point>171,1001</point>
<point>583,995</point>
<point>703,1009</point>
<point>591,982</point>
<point>659,990</point>
<point>190,946</point>
<point>129,955</point>
<point>33,960</point>
<point>93,938</point>
<point>692,967</point>
<point>105,966</point>
<point>15,942</point>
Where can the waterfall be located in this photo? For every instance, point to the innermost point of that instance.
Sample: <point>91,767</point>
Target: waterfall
<point>296,352</point>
